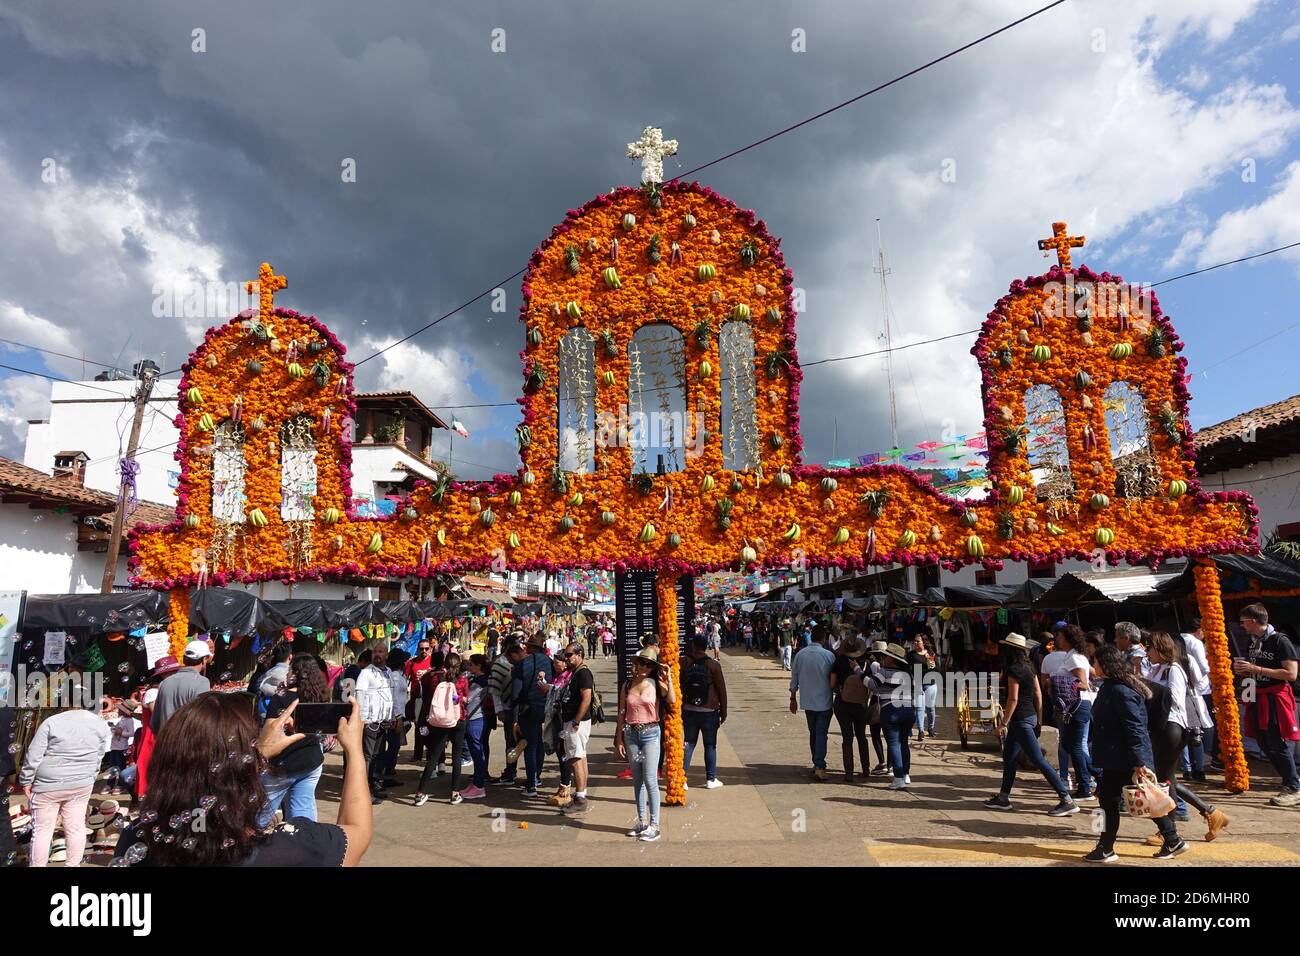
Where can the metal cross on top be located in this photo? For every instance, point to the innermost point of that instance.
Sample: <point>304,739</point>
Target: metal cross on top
<point>268,284</point>
<point>651,149</point>
<point>1062,242</point>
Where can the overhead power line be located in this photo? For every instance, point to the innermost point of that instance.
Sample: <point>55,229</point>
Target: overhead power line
<point>736,152</point>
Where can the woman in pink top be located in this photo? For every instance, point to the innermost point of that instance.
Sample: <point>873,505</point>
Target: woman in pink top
<point>638,736</point>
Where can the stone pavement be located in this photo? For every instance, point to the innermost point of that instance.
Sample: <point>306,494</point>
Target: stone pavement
<point>770,813</point>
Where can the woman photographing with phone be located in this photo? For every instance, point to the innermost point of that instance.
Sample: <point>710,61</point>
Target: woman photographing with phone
<point>203,804</point>
<point>638,737</point>
<point>291,777</point>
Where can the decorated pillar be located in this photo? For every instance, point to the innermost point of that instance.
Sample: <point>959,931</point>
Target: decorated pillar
<point>178,620</point>
<point>669,654</point>
<point>1209,600</point>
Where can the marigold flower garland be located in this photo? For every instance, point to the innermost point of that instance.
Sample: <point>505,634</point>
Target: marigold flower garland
<point>1227,724</point>
<point>178,621</point>
<point>674,752</point>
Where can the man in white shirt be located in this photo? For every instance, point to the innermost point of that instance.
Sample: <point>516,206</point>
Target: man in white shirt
<point>374,693</point>
<point>1194,754</point>
<point>391,739</point>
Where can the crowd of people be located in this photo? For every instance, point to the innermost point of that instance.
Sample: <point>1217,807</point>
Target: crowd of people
<point>1130,712</point>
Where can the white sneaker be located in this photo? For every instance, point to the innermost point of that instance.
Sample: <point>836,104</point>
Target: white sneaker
<point>685,785</point>
<point>713,784</point>
<point>907,778</point>
<point>467,764</point>
<point>637,830</point>
<point>898,784</point>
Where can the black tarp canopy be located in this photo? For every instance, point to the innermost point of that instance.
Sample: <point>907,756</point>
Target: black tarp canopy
<point>95,613</point>
<point>898,597</point>
<point>990,595</point>
<point>874,602</point>
<point>1236,572</point>
<point>323,613</point>
<point>233,612</point>
<point>1028,594</point>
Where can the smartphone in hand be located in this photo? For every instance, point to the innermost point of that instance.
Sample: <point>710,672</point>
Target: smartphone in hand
<point>320,718</point>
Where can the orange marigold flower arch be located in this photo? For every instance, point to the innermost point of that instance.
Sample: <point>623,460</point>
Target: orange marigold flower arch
<point>680,255</point>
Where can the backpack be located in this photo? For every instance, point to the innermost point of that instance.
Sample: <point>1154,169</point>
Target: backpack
<point>1065,694</point>
<point>696,684</point>
<point>444,709</point>
<point>854,689</point>
<point>595,712</point>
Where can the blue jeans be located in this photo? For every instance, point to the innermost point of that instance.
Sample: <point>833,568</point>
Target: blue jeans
<point>643,747</point>
<point>478,750</point>
<point>819,725</point>
<point>297,793</point>
<point>926,708</point>
<point>535,751</point>
<point>786,654</point>
<point>1073,745</point>
<point>695,722</point>
<point>1020,736</point>
<point>897,724</point>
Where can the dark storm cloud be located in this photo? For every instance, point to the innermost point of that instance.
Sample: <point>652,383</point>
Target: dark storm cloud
<point>465,157</point>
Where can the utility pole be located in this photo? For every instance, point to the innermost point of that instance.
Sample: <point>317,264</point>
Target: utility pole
<point>147,372</point>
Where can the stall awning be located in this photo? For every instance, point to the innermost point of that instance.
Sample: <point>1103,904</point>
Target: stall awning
<point>1031,592</point>
<point>1239,573</point>
<point>1108,587</point>
<point>233,612</point>
<point>987,596</point>
<point>95,613</point>
<point>487,596</point>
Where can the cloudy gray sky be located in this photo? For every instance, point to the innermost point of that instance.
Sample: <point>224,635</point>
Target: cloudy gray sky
<point>1132,120</point>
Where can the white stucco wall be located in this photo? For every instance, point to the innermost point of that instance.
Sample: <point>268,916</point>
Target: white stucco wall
<point>1275,486</point>
<point>85,416</point>
<point>38,553</point>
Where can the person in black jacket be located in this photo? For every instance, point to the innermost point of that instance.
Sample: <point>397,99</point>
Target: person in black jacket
<point>1121,747</point>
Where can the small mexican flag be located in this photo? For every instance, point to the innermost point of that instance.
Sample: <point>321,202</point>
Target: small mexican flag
<point>459,428</point>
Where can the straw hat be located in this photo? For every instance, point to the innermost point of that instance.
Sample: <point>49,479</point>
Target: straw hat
<point>895,651</point>
<point>879,647</point>
<point>1016,640</point>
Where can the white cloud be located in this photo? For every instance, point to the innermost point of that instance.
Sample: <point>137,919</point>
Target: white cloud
<point>439,377</point>
<point>1128,149</point>
<point>22,397</point>
<point>20,325</point>
<point>1269,223</point>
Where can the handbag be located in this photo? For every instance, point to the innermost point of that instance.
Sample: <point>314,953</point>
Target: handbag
<point>1147,797</point>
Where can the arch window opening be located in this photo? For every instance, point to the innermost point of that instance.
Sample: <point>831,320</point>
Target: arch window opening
<point>228,468</point>
<point>297,469</point>
<point>576,403</point>
<point>660,433</point>
<point>1137,474</point>
<point>740,445</point>
<point>1047,444</point>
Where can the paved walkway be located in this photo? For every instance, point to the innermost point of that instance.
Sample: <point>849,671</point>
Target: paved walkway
<point>769,812</point>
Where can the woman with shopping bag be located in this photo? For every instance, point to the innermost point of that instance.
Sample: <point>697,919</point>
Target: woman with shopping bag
<point>1121,753</point>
